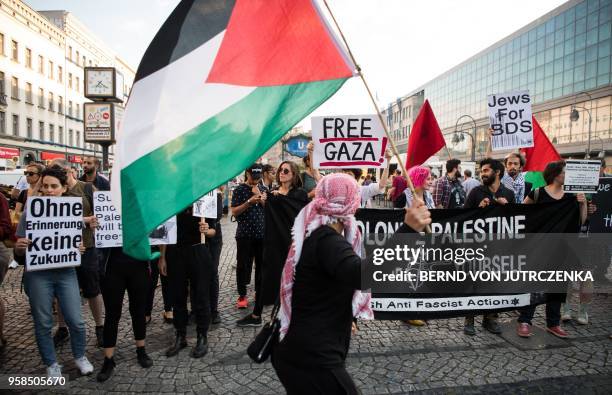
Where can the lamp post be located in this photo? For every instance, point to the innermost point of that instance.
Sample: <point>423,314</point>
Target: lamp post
<point>458,135</point>
<point>574,116</point>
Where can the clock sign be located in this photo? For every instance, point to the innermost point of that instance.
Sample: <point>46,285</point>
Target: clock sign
<point>101,84</point>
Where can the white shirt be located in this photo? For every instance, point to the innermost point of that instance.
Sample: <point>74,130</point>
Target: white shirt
<point>367,192</point>
<point>22,184</point>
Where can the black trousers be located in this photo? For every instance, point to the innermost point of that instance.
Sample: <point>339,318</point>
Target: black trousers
<point>121,276</point>
<point>300,381</point>
<point>246,251</point>
<point>553,311</point>
<point>215,252</point>
<point>155,276</point>
<point>187,271</point>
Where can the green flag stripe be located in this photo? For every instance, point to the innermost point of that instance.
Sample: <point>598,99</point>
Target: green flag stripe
<point>167,180</point>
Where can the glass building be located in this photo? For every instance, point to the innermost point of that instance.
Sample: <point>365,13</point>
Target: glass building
<point>562,58</point>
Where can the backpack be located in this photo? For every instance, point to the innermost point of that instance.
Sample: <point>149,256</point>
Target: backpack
<point>457,195</point>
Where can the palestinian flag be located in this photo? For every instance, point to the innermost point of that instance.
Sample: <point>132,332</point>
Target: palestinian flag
<point>220,83</point>
<point>538,156</point>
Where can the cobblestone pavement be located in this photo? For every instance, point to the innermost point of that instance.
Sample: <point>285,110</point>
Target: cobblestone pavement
<point>385,356</point>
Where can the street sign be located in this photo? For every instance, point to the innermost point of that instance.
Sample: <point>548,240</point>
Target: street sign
<point>297,146</point>
<point>99,122</point>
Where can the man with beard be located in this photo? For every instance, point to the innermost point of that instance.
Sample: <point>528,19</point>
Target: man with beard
<point>491,192</point>
<point>448,191</point>
<point>90,174</point>
<point>513,179</point>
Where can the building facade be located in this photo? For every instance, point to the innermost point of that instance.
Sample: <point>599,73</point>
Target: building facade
<point>42,60</point>
<point>562,58</point>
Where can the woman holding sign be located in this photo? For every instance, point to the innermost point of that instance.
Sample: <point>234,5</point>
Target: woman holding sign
<point>43,286</point>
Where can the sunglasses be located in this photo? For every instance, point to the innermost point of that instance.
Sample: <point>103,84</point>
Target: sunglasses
<point>29,173</point>
<point>285,171</point>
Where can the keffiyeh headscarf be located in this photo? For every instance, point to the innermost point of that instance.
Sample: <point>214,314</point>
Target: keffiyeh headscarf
<point>336,200</point>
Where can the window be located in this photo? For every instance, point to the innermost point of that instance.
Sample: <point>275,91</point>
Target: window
<point>29,127</point>
<point>41,98</point>
<point>51,102</point>
<point>78,110</point>
<point>70,137</point>
<point>15,88</point>
<point>15,51</point>
<point>60,74</point>
<point>2,122</point>
<point>84,61</point>
<point>69,53</point>
<point>28,93</point>
<point>60,104</point>
<point>78,138</point>
<point>70,80</point>
<point>51,133</point>
<point>28,58</point>
<point>41,64</point>
<point>70,108</point>
<point>1,44</point>
<point>50,69</point>
<point>77,84</point>
<point>41,130</point>
<point>77,57</point>
<point>15,125</point>
<point>60,134</point>
<point>1,83</point>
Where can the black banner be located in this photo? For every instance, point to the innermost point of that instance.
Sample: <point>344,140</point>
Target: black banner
<point>456,299</point>
<point>601,220</point>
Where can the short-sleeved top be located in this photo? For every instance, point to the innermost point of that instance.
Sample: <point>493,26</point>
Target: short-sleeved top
<point>480,192</point>
<point>78,190</point>
<point>251,221</point>
<point>22,183</point>
<point>367,192</point>
<point>23,197</point>
<point>399,185</point>
<point>309,182</point>
<point>544,197</point>
<point>188,228</point>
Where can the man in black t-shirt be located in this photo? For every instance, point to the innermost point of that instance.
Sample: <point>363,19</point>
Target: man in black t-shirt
<point>491,192</point>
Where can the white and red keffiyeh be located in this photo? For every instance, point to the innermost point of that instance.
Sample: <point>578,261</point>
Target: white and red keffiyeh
<point>336,200</point>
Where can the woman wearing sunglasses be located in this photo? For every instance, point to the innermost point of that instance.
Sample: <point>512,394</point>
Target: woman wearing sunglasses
<point>281,207</point>
<point>32,173</point>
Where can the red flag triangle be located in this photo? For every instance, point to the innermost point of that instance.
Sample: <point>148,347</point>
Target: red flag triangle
<point>542,152</point>
<point>425,139</point>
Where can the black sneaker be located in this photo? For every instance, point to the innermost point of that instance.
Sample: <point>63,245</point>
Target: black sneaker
<point>100,336</point>
<point>215,319</point>
<point>249,320</point>
<point>143,359</point>
<point>107,369</point>
<point>491,326</point>
<point>60,337</point>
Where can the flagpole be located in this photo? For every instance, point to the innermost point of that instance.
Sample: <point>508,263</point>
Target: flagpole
<point>448,151</point>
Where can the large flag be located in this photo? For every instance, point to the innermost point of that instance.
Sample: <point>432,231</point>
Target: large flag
<point>425,139</point>
<point>538,156</point>
<point>220,83</point>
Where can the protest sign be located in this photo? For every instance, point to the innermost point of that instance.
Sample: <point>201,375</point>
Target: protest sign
<point>601,220</point>
<point>109,232</point>
<point>581,176</point>
<point>206,206</point>
<point>510,119</point>
<point>55,227</point>
<point>348,142</point>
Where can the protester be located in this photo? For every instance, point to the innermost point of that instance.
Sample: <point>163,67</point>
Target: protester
<point>90,174</point>
<point>603,168</point>
<point>421,181</point>
<point>88,273</point>
<point>167,314</point>
<point>20,185</point>
<point>281,208</point>
<point>187,270</point>
<point>124,273</point>
<point>310,176</point>
<point>318,299</point>
<point>399,184</point>
<point>367,192</point>
<point>514,179</point>
<point>554,175</point>
<point>468,182</point>
<point>32,174</point>
<point>267,179</point>
<point>247,208</point>
<point>42,286</point>
<point>448,192</point>
<point>6,233</point>
<point>491,192</point>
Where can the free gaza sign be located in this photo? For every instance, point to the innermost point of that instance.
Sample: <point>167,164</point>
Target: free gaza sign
<point>347,141</point>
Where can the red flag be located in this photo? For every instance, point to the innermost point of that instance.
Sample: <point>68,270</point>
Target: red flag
<point>426,138</point>
<point>542,152</point>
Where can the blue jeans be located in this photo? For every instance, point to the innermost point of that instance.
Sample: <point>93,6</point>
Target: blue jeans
<point>41,287</point>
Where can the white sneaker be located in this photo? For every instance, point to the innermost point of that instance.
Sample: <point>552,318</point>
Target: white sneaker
<point>13,264</point>
<point>583,316</point>
<point>566,313</point>
<point>85,367</point>
<point>54,370</point>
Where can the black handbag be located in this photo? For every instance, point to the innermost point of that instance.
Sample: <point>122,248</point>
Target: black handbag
<point>261,347</point>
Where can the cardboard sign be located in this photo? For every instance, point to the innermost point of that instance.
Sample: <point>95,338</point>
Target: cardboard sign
<point>348,142</point>
<point>510,119</point>
<point>206,206</point>
<point>55,227</point>
<point>109,232</point>
<point>581,176</point>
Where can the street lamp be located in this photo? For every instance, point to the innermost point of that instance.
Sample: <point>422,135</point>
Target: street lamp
<point>602,153</point>
<point>458,135</point>
<point>574,116</point>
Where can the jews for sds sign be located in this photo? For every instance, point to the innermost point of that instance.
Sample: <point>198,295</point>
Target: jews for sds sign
<point>510,119</point>
<point>348,142</point>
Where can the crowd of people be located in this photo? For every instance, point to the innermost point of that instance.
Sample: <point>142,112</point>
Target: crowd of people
<point>288,222</point>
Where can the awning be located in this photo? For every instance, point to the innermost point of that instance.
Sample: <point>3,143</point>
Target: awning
<point>8,153</point>
<point>52,155</point>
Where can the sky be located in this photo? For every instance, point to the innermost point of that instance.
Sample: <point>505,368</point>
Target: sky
<point>399,44</point>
